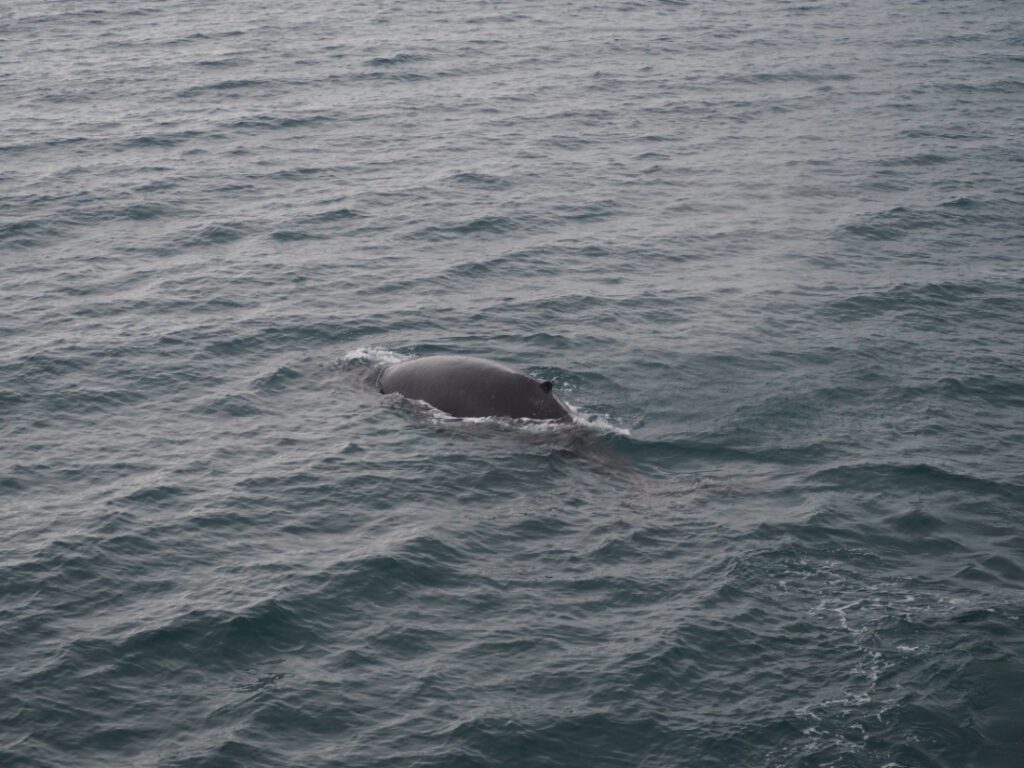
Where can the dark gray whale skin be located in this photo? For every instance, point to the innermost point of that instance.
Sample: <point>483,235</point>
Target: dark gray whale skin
<point>469,387</point>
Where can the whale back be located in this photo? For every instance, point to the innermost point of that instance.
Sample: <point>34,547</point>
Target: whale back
<point>469,387</point>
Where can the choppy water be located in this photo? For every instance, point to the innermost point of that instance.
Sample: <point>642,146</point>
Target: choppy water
<point>771,252</point>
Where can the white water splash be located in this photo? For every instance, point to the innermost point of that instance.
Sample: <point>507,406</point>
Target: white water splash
<point>600,423</point>
<point>375,356</point>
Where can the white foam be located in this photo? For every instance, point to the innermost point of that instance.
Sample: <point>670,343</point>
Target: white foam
<point>375,356</point>
<point>530,425</point>
<point>598,422</point>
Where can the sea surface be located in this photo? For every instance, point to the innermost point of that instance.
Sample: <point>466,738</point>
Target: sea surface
<point>772,254</point>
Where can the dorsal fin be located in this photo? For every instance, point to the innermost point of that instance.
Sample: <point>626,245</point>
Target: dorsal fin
<point>546,386</point>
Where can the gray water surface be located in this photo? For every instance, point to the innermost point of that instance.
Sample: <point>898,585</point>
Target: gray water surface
<point>769,251</point>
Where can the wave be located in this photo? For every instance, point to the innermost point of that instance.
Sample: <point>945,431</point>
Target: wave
<point>918,476</point>
<point>902,221</point>
<point>906,297</point>
<point>223,85</point>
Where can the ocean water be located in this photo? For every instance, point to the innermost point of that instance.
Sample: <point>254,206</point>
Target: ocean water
<point>771,252</point>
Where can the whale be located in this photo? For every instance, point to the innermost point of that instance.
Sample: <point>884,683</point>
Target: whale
<point>469,387</point>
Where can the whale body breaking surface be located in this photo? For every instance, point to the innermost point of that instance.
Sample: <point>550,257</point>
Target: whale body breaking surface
<point>469,387</point>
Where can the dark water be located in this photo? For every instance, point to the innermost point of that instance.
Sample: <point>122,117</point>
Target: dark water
<point>771,252</point>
